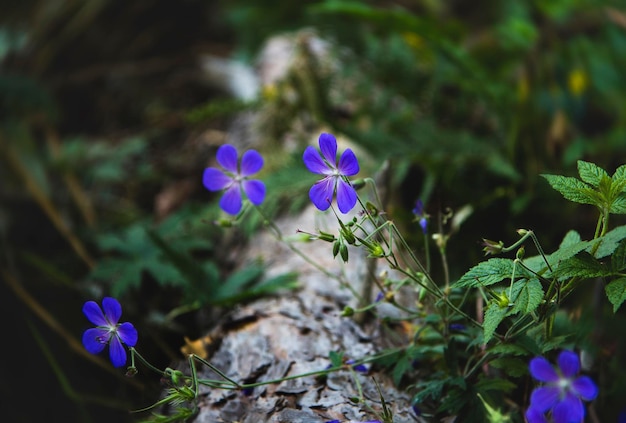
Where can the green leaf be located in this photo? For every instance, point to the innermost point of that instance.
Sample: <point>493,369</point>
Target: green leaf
<point>529,295</point>
<point>618,259</point>
<point>402,366</point>
<point>582,265</point>
<point>507,349</point>
<point>574,189</point>
<point>336,358</point>
<point>618,205</point>
<point>494,415</point>
<point>232,294</point>
<point>610,241</point>
<point>616,292</point>
<point>591,173</point>
<point>494,314</point>
<point>619,175</point>
<point>512,366</point>
<point>486,273</point>
<point>570,246</point>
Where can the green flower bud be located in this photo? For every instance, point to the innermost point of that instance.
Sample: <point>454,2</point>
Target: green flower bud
<point>347,311</point>
<point>348,236</point>
<point>358,183</point>
<point>343,251</point>
<point>324,236</point>
<point>336,246</point>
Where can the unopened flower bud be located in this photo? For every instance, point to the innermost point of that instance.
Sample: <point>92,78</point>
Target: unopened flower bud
<point>224,223</point>
<point>343,251</point>
<point>358,183</point>
<point>336,246</point>
<point>348,236</point>
<point>520,253</point>
<point>324,236</point>
<point>347,311</point>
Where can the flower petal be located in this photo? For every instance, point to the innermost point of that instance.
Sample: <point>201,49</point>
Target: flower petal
<point>569,363</point>
<point>542,370</point>
<point>94,314</point>
<point>128,334</point>
<point>328,146</point>
<point>227,157</point>
<point>535,416</point>
<point>313,161</point>
<point>544,398</point>
<point>570,410</point>
<point>215,180</point>
<point>251,163</point>
<point>112,310</point>
<point>231,200</point>
<point>585,388</point>
<point>348,163</point>
<point>346,196</point>
<point>117,352</point>
<point>95,339</point>
<point>321,193</point>
<point>255,191</point>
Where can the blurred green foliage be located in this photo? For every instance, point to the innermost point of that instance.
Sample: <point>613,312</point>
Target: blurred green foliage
<point>103,106</point>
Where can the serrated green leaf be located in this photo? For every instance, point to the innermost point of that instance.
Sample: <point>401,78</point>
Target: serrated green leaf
<point>494,314</point>
<point>582,265</point>
<point>486,273</point>
<point>402,366</point>
<point>507,349</point>
<point>617,187</point>
<point>618,205</point>
<point>574,189</point>
<point>529,295</point>
<point>610,241</point>
<point>494,384</point>
<point>618,258</point>
<point>619,175</point>
<point>570,246</point>
<point>512,366</point>
<point>616,292</point>
<point>591,173</point>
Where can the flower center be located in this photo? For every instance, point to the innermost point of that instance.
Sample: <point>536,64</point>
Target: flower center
<point>564,384</point>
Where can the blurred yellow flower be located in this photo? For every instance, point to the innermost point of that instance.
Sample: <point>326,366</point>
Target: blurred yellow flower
<point>577,81</point>
<point>413,40</point>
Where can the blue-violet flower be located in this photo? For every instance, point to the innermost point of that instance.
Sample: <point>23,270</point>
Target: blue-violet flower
<point>562,392</point>
<point>418,211</point>
<point>335,172</point>
<point>235,178</point>
<point>108,331</point>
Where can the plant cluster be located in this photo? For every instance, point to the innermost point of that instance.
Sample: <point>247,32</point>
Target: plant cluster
<point>478,363</point>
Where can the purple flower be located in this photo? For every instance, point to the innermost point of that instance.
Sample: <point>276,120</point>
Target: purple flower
<point>234,178</point>
<point>108,331</point>
<point>418,211</point>
<point>322,192</point>
<point>357,367</point>
<point>562,392</point>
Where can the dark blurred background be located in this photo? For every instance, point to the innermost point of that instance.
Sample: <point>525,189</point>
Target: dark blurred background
<point>109,112</point>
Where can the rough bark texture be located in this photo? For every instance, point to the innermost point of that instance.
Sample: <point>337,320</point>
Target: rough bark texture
<point>292,334</point>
